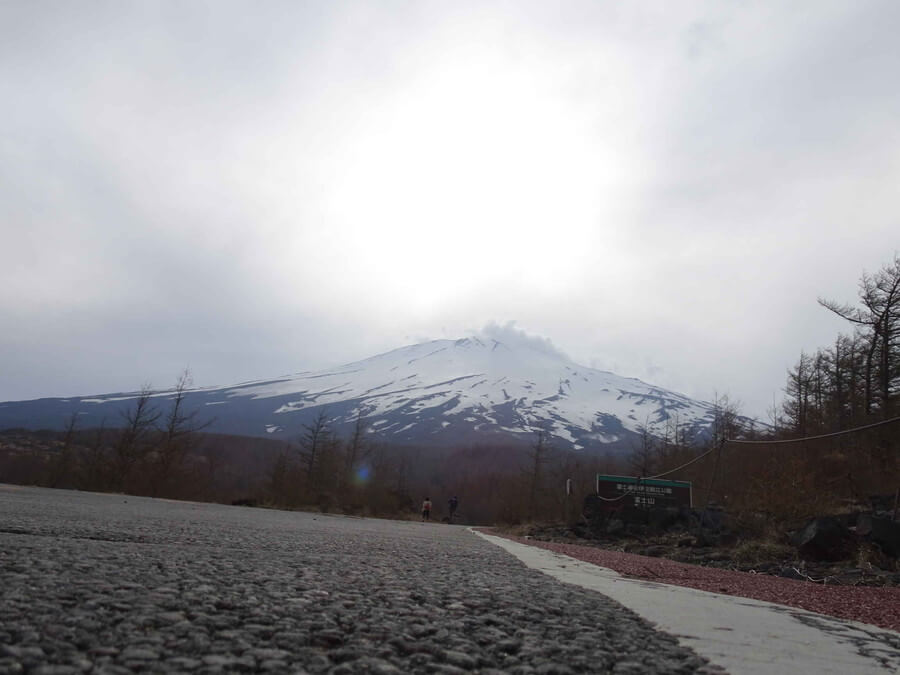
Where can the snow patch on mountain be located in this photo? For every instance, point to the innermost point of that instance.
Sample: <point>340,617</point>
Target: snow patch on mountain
<point>436,392</point>
<point>485,383</point>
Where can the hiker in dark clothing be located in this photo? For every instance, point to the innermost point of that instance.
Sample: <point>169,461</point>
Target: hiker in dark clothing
<point>452,503</point>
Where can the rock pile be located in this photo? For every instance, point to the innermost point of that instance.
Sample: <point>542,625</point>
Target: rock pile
<point>860,547</point>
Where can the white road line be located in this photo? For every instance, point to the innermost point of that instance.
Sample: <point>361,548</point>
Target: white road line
<point>741,635</point>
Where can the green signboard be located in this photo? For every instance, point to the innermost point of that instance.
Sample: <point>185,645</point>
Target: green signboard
<point>646,493</point>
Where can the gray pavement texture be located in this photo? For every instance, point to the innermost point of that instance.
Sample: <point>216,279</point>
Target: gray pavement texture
<point>94,583</point>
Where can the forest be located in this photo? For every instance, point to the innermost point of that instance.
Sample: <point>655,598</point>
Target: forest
<point>833,439</point>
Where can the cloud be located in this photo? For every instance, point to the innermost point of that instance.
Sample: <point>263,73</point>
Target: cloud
<point>512,336</point>
<point>666,187</point>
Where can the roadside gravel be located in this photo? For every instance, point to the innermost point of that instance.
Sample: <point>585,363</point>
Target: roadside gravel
<point>109,584</point>
<point>876,606</point>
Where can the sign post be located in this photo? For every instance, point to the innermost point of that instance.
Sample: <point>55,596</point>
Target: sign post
<point>645,493</point>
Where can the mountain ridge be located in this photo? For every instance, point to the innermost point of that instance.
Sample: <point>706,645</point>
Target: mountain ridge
<point>436,392</point>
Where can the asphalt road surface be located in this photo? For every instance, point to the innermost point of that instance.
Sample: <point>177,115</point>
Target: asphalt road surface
<point>114,584</point>
<point>744,636</point>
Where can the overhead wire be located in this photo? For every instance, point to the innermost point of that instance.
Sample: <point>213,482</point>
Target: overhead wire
<point>686,464</point>
<point>747,442</point>
<point>813,438</point>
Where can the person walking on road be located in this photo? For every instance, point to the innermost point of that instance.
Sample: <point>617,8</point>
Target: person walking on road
<point>452,503</point>
<point>426,509</point>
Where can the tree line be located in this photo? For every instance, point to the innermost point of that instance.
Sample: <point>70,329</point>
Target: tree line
<point>833,439</point>
<point>502,481</point>
<point>797,466</point>
<point>855,380</point>
<point>146,450</point>
<point>157,448</point>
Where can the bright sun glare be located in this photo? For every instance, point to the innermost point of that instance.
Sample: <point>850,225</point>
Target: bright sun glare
<point>458,182</point>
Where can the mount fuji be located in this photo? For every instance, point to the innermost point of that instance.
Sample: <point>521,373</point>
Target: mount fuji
<point>441,392</point>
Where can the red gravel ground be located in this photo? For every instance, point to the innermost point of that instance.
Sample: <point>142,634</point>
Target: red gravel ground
<point>876,606</point>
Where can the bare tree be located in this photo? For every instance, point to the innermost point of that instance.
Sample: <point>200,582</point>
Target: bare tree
<point>796,405</point>
<point>93,465</point>
<point>62,466</point>
<point>357,450</point>
<point>313,443</point>
<point>131,445</point>
<point>279,483</point>
<point>177,435</point>
<point>726,419</point>
<point>642,459</point>
<point>879,321</point>
<point>535,476</point>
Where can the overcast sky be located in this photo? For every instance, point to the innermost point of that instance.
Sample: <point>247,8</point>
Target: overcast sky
<point>661,189</point>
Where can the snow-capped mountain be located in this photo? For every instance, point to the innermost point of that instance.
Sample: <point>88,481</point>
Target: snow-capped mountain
<point>439,392</point>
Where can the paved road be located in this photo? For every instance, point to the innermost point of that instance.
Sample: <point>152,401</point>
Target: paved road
<point>113,584</point>
<point>746,637</point>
